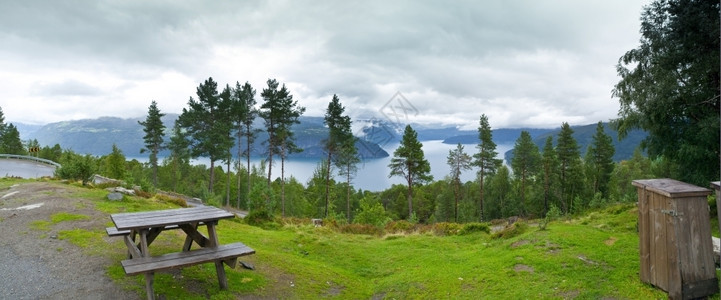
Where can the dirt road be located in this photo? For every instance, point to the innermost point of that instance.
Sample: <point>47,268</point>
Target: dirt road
<point>34,263</point>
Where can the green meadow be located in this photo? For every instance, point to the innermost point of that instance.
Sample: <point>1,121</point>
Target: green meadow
<point>586,257</point>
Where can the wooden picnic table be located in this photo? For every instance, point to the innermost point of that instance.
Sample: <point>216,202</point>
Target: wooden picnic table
<point>148,225</point>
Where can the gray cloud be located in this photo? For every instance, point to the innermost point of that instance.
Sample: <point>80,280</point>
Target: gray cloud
<point>531,63</point>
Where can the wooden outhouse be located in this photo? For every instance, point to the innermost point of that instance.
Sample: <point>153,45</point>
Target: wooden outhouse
<point>675,238</point>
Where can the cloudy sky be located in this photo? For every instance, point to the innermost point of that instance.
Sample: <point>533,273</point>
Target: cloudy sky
<point>523,63</point>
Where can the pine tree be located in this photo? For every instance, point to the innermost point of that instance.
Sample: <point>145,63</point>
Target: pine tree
<point>485,159</point>
<point>280,112</point>
<point>337,145</point>
<point>569,160</point>
<point>154,133</point>
<point>2,122</point>
<point>244,112</point>
<point>409,162</point>
<point>550,165</point>
<point>10,139</point>
<point>225,126</point>
<point>599,161</point>
<point>204,124</point>
<point>115,164</point>
<point>347,164</point>
<point>179,153</point>
<point>458,161</point>
<point>525,164</point>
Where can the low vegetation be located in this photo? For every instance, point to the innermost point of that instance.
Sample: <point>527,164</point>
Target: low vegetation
<point>594,255</point>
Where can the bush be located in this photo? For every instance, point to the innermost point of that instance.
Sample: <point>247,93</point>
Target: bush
<point>258,218</point>
<point>371,212</point>
<point>144,194</point>
<point>399,226</point>
<point>445,228</point>
<point>361,229</point>
<point>170,199</point>
<point>514,230</point>
<point>76,167</point>
<point>552,214</point>
<point>469,228</point>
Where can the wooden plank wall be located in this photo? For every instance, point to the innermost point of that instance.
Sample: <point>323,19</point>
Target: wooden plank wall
<point>675,246</point>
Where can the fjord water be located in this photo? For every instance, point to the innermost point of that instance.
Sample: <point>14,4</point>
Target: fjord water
<point>372,174</point>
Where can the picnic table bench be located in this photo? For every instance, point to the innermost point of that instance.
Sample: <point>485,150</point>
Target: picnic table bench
<point>148,225</point>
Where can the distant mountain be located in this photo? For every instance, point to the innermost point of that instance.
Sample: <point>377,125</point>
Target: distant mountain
<point>500,136</point>
<point>97,136</point>
<point>584,137</point>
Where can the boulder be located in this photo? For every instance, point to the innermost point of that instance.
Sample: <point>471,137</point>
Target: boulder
<point>122,190</point>
<point>115,196</point>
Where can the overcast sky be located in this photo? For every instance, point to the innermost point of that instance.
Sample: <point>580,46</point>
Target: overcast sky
<point>522,63</point>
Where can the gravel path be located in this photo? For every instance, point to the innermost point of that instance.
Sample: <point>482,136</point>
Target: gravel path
<point>34,264</point>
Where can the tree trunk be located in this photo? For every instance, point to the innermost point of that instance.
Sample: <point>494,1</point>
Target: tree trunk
<point>455,195</point>
<point>480,180</point>
<point>247,195</point>
<point>410,193</point>
<point>240,153</point>
<point>175,172</point>
<point>270,164</point>
<point>282,181</point>
<point>523,193</point>
<point>212,175</point>
<point>227,183</point>
<point>347,196</point>
<point>327,184</point>
<point>154,161</point>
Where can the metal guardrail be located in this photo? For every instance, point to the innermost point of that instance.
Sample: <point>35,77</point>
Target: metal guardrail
<point>25,157</point>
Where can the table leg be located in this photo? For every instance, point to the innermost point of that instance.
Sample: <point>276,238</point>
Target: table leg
<point>133,234</point>
<point>213,242</point>
<point>188,238</point>
<point>148,276</point>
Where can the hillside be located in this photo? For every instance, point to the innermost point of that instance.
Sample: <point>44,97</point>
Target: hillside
<point>500,136</point>
<point>584,137</point>
<point>594,256</point>
<point>97,136</point>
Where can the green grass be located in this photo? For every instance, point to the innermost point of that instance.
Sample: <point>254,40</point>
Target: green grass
<point>592,257</point>
<point>589,257</point>
<point>66,217</point>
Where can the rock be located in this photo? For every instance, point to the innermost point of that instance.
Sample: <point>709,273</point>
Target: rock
<point>246,265</point>
<point>122,190</point>
<point>115,196</point>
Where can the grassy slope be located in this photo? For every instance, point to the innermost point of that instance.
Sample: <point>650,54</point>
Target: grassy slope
<point>595,256</point>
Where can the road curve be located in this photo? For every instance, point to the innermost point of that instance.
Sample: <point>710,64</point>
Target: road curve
<point>24,168</point>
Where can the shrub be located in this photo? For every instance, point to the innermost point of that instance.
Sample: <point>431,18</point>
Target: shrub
<point>371,212</point>
<point>514,230</point>
<point>76,167</point>
<point>399,226</point>
<point>144,194</point>
<point>469,228</point>
<point>445,228</point>
<point>361,229</point>
<point>294,221</point>
<point>170,199</point>
<point>258,218</point>
<point>552,214</point>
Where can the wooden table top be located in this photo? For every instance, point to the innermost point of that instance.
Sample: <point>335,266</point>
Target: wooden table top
<point>158,218</point>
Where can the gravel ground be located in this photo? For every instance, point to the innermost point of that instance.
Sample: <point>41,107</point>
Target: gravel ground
<point>34,264</point>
